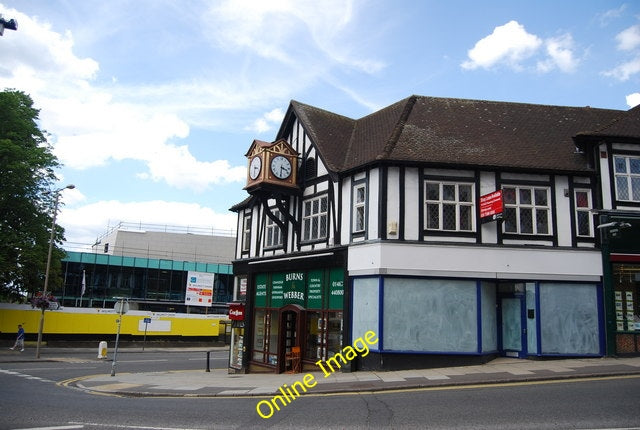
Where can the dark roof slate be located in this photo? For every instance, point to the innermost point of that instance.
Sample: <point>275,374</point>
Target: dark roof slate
<point>627,126</point>
<point>450,131</point>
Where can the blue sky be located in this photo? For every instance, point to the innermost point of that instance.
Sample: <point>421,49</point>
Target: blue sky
<point>152,104</point>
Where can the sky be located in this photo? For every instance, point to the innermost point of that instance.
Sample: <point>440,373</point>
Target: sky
<point>151,105</point>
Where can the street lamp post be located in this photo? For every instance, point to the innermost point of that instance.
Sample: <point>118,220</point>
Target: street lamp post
<point>46,273</point>
<point>119,321</point>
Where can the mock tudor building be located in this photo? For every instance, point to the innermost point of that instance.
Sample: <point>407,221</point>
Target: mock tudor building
<point>614,153</point>
<point>456,230</point>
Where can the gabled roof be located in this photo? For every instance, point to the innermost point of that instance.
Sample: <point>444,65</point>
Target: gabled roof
<point>626,126</point>
<point>445,131</point>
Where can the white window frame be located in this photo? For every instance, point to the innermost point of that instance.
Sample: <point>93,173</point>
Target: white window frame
<point>627,176</point>
<point>533,207</point>
<point>246,233</point>
<point>441,203</point>
<point>312,212</point>
<point>583,210</point>
<point>273,233</point>
<point>359,212</point>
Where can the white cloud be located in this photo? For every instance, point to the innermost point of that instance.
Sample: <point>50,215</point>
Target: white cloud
<point>92,220</point>
<point>625,70</point>
<point>189,172</point>
<point>560,51</point>
<point>633,100</point>
<point>36,53</point>
<point>97,121</point>
<point>629,39</point>
<point>612,14</point>
<point>93,125</point>
<point>272,29</point>
<point>267,121</point>
<point>509,44</point>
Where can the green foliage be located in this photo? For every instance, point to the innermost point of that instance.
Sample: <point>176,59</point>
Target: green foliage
<point>27,170</point>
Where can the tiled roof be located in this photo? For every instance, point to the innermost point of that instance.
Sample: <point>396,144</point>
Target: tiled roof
<point>627,126</point>
<point>456,132</point>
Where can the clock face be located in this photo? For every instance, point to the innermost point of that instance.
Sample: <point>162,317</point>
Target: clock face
<point>254,167</point>
<point>281,167</point>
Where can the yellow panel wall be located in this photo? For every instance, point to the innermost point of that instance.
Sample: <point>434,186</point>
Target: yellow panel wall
<point>76,323</point>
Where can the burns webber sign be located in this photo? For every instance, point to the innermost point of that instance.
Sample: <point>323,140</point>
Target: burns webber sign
<point>491,206</point>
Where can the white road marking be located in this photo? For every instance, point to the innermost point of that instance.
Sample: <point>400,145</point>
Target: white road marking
<point>128,426</point>
<point>79,426</point>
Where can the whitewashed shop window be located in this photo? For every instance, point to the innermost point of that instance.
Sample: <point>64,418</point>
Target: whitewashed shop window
<point>526,210</point>
<point>273,232</point>
<point>359,208</point>
<point>246,233</point>
<point>315,218</point>
<point>627,175</point>
<point>583,202</point>
<point>449,206</point>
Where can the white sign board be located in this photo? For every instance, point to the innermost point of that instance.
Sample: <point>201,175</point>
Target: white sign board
<point>154,325</point>
<point>199,289</point>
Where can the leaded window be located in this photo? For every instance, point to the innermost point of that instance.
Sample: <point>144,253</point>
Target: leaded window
<point>627,177</point>
<point>526,210</point>
<point>315,218</point>
<point>359,206</point>
<point>246,233</point>
<point>583,212</point>
<point>273,232</point>
<point>449,206</point>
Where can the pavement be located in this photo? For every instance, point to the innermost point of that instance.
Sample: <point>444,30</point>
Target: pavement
<point>219,383</point>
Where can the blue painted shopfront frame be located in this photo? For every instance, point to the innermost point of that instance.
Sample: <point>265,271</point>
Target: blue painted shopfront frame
<point>480,335</point>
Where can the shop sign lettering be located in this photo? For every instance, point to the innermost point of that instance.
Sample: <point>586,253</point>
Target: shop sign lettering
<point>297,295</point>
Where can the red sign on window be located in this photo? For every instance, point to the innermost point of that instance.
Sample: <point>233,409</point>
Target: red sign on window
<point>236,311</point>
<point>491,206</point>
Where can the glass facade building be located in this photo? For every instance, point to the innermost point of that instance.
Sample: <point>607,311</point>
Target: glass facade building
<point>157,285</point>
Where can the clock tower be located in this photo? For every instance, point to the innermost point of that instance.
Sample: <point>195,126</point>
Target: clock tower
<point>272,167</point>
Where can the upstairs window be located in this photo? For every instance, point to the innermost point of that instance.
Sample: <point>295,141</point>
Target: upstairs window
<point>246,233</point>
<point>314,218</point>
<point>526,210</point>
<point>627,175</point>
<point>584,226</point>
<point>273,232</point>
<point>449,206</point>
<point>359,206</point>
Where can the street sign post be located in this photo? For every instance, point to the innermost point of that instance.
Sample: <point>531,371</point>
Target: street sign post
<point>146,323</point>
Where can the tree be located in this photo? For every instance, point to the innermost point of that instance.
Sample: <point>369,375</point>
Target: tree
<point>27,173</point>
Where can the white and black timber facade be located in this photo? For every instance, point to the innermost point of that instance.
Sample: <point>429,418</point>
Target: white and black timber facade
<point>384,231</point>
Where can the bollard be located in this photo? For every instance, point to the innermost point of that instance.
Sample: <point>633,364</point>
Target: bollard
<point>102,349</point>
<point>208,369</point>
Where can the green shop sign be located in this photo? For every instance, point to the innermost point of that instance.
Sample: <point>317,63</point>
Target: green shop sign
<point>336,289</point>
<point>315,281</point>
<point>316,289</point>
<point>261,290</point>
